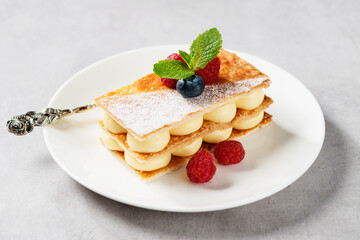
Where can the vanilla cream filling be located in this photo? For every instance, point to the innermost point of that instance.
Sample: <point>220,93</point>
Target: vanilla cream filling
<point>189,149</point>
<point>111,125</point>
<point>188,127</point>
<point>148,165</point>
<point>217,135</point>
<point>242,124</point>
<point>149,145</point>
<point>110,143</point>
<point>251,101</point>
<point>222,114</point>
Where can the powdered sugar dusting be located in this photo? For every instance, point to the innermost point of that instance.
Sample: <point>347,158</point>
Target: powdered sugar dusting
<point>146,112</point>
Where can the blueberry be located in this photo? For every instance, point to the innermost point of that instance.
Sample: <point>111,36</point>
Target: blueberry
<point>190,87</point>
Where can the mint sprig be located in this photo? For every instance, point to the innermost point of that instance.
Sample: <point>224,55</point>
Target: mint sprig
<point>172,69</point>
<point>203,49</point>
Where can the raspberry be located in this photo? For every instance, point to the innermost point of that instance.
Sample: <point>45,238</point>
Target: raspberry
<point>201,167</point>
<point>210,72</point>
<point>175,56</point>
<point>229,152</point>
<point>171,83</point>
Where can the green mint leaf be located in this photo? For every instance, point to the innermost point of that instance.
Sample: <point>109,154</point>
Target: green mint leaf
<point>205,48</point>
<point>174,69</point>
<point>186,57</point>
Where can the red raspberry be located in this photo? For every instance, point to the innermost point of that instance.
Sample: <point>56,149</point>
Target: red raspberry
<point>201,167</point>
<point>171,83</point>
<point>175,56</point>
<point>229,152</point>
<point>210,73</point>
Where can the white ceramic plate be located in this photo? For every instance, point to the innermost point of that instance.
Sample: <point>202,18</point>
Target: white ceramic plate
<point>275,156</point>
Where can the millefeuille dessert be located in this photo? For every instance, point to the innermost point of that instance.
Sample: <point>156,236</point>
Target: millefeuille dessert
<point>155,129</point>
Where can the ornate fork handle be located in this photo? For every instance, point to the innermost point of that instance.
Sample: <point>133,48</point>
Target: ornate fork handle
<point>23,124</point>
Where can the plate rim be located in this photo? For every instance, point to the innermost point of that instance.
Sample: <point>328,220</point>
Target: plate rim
<point>187,209</point>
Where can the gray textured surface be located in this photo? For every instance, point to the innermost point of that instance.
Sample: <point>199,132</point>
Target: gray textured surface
<point>43,43</point>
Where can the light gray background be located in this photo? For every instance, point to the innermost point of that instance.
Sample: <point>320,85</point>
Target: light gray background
<point>43,43</point>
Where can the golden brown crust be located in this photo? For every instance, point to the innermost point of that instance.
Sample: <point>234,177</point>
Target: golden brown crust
<point>177,162</point>
<point>149,83</point>
<point>234,68</point>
